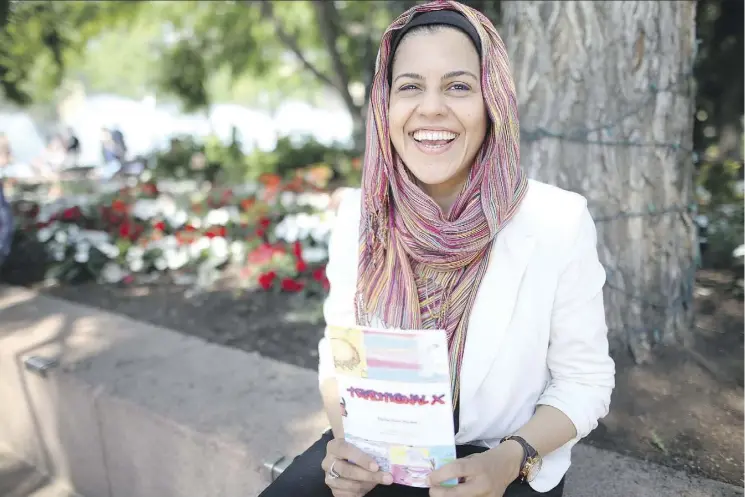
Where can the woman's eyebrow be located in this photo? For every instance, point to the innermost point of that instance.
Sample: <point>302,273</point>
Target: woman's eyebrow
<point>456,74</point>
<point>451,74</point>
<point>411,75</point>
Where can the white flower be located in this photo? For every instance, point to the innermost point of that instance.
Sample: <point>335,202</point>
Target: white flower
<point>44,234</point>
<point>73,232</point>
<point>94,237</point>
<point>196,222</point>
<point>321,232</point>
<point>82,256</point>
<point>291,232</point>
<point>46,212</point>
<point>219,248</point>
<point>319,201</point>
<point>135,265</point>
<point>58,254</point>
<point>234,213</point>
<point>145,209</point>
<point>112,273</point>
<point>314,254</point>
<point>287,199</point>
<point>161,264</point>
<point>176,258</point>
<point>178,218</point>
<point>237,250</point>
<point>199,246</point>
<point>135,252</point>
<point>245,189</point>
<point>305,223</point>
<point>739,252</point>
<point>217,217</point>
<point>60,236</point>
<point>109,250</point>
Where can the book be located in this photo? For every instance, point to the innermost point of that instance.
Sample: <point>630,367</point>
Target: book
<point>395,398</point>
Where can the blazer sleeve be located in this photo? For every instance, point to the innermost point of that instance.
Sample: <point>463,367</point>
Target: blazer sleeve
<point>341,271</point>
<point>582,371</point>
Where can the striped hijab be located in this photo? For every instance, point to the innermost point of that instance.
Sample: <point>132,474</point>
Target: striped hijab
<point>417,268</point>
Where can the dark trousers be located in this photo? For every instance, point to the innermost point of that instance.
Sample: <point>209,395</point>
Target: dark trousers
<point>305,478</point>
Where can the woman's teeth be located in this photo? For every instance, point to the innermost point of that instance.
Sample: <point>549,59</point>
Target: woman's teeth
<point>434,138</point>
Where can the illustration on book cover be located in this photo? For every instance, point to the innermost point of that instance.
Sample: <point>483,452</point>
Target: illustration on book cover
<point>394,389</point>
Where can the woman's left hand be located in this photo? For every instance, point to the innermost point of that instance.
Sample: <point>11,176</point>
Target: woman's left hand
<point>487,474</point>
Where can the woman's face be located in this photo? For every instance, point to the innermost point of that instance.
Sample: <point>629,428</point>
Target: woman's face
<point>437,117</point>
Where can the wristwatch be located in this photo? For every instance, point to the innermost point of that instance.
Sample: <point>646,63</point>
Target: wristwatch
<point>532,460</point>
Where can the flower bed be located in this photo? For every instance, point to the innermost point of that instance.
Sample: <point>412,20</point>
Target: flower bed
<point>273,234</point>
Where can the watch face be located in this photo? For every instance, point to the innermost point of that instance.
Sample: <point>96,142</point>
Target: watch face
<point>532,468</point>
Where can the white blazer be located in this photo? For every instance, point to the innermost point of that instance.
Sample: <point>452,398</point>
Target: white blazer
<point>537,332</point>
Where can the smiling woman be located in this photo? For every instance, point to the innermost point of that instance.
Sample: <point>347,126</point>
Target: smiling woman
<point>437,117</point>
<point>448,234</point>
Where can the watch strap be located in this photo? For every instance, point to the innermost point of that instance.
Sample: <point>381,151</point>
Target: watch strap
<point>529,452</point>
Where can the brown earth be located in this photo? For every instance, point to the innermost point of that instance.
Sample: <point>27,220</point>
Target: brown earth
<point>685,410</point>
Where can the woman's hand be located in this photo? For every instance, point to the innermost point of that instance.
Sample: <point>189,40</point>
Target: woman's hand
<point>482,475</point>
<point>358,472</point>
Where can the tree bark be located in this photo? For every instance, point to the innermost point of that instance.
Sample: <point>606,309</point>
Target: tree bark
<point>605,93</point>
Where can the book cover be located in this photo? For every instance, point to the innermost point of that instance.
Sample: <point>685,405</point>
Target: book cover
<point>394,389</point>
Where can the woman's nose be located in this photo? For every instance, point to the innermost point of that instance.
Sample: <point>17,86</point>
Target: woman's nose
<point>432,104</point>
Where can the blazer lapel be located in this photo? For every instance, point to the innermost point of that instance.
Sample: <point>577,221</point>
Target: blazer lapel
<point>492,312</point>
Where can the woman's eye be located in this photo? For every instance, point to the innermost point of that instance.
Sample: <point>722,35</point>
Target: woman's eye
<point>407,87</point>
<point>460,87</point>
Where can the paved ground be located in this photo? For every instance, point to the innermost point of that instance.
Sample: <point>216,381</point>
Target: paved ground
<point>173,395</point>
<point>601,473</point>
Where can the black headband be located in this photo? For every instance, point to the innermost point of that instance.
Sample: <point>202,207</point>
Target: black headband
<point>431,18</point>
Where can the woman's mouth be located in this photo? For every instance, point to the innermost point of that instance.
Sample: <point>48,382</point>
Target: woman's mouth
<point>433,142</point>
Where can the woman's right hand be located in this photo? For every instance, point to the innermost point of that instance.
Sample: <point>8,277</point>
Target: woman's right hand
<point>358,472</point>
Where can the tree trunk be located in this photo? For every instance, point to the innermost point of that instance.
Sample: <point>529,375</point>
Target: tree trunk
<point>606,109</point>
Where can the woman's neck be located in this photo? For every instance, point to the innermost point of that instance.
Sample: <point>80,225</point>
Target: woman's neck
<point>444,194</point>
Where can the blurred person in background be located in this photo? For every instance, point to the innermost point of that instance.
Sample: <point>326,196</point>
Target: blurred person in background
<point>6,214</point>
<point>6,154</point>
<point>519,298</point>
<point>72,145</point>
<point>112,155</point>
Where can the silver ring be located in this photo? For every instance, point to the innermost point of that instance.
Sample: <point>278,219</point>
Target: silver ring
<point>333,474</point>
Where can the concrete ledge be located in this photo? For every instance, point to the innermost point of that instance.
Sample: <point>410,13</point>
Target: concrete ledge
<point>135,410</point>
<point>19,479</point>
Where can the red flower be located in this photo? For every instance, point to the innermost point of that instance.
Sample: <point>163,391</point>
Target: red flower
<point>129,230</point>
<point>261,254</point>
<point>264,222</point>
<point>319,274</point>
<point>260,233</point>
<point>150,189</point>
<point>159,226</point>
<point>297,250</point>
<point>189,228</point>
<point>119,206</point>
<point>216,231</point>
<point>266,280</point>
<point>290,285</point>
<point>71,214</point>
<point>128,279</point>
<point>300,266</point>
